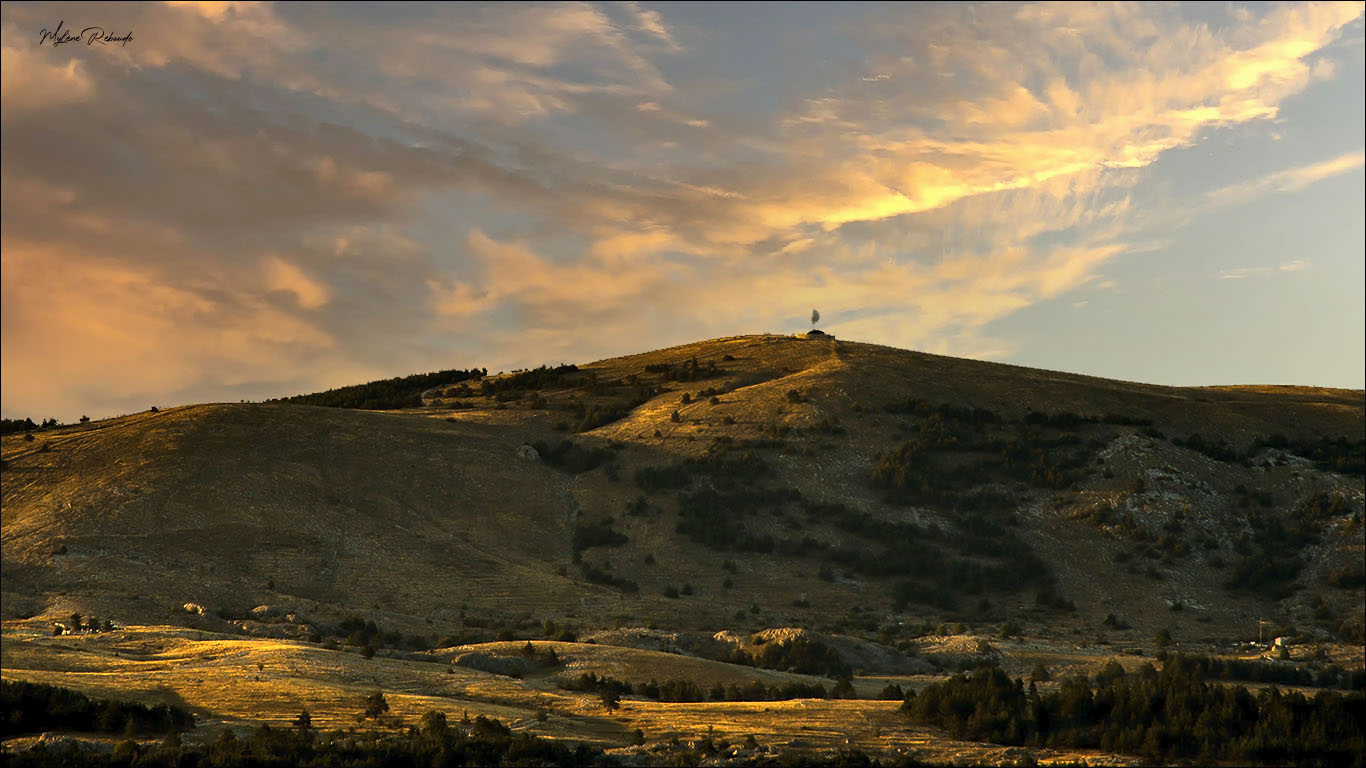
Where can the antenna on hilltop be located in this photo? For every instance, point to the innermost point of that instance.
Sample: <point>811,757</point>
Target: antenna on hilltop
<point>815,317</point>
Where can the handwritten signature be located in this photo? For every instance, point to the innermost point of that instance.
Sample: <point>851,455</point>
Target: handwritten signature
<point>89,35</point>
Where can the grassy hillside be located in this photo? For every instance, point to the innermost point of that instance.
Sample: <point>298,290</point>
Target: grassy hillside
<point>880,496</point>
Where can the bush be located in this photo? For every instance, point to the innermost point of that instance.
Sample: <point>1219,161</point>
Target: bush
<point>599,534</point>
<point>572,457</point>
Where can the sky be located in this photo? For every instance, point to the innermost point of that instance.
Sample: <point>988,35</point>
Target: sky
<point>208,202</point>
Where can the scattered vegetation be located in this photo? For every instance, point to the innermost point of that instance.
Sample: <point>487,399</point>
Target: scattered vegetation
<point>1271,559</point>
<point>688,691</point>
<point>991,555</point>
<point>596,575</point>
<point>572,457</point>
<point>689,371</point>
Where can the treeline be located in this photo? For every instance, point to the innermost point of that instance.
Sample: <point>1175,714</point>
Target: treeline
<point>1162,716</point>
<point>1252,671</point>
<point>12,426</point>
<point>478,742</point>
<point>35,708</point>
<point>386,394</point>
<point>536,378</point>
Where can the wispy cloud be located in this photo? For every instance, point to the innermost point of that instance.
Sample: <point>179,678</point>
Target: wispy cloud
<point>326,189</point>
<point>1289,180</point>
<point>1239,273</point>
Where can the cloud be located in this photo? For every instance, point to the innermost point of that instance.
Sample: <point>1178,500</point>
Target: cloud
<point>1279,182</point>
<point>293,187</point>
<point>283,276</point>
<point>32,79</point>
<point>1239,273</point>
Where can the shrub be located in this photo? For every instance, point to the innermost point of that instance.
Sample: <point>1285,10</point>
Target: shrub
<point>375,705</point>
<point>599,534</point>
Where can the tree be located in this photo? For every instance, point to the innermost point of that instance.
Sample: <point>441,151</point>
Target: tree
<point>844,689</point>
<point>1163,638</point>
<point>304,721</point>
<point>375,705</point>
<point>892,692</point>
<point>434,722</point>
<point>611,699</point>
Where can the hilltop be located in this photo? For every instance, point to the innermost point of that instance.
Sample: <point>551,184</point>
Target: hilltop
<point>895,505</point>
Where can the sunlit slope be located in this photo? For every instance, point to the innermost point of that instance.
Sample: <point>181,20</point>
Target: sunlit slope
<point>845,374</point>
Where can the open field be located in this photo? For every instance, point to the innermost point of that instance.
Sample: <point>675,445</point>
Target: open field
<point>240,683</point>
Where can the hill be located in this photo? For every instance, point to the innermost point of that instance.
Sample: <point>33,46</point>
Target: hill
<point>728,486</point>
